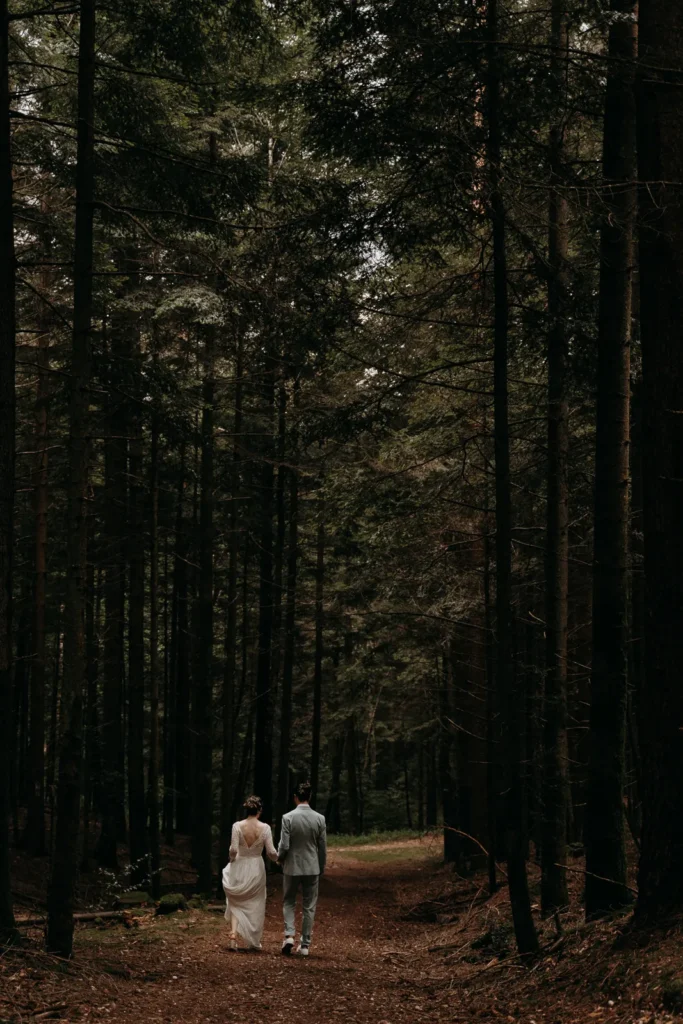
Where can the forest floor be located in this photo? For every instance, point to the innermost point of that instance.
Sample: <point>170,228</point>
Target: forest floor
<point>398,940</point>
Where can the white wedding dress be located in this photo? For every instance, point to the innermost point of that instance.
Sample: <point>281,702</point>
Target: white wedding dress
<point>244,883</point>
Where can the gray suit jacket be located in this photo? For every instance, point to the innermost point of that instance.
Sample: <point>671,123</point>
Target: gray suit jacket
<point>303,842</point>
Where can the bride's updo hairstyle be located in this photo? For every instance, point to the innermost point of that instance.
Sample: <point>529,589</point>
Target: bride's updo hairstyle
<point>253,805</point>
<point>303,791</point>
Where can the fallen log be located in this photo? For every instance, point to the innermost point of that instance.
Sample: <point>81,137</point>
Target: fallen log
<point>102,915</point>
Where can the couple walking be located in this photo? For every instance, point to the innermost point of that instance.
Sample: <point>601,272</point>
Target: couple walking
<point>302,852</point>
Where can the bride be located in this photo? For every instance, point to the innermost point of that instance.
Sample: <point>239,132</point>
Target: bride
<point>244,878</point>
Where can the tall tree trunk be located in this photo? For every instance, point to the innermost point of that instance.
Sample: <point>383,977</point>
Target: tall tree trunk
<point>431,808</point>
<point>171,709</point>
<point>637,623</point>
<point>660,156</point>
<point>181,664</point>
<point>421,788</point>
<point>168,814</point>
<point>20,704</point>
<point>525,931</point>
<point>446,780</point>
<point>280,533</point>
<point>35,822</point>
<point>263,765</point>
<point>194,637</point>
<point>20,708</point>
<point>605,820</point>
<point>91,761</point>
<point>534,732</point>
<point>406,789</point>
<point>203,711</point>
<point>139,852</point>
<point>554,894</point>
<point>65,862</point>
<point>283,794</point>
<point>352,775</point>
<point>7,456</point>
<point>114,529</point>
<point>154,744</point>
<point>319,651</point>
<point>230,672</point>
<point>333,809</point>
<point>54,718</point>
<point>240,781</point>
<point>492,759</point>
<point>245,761</point>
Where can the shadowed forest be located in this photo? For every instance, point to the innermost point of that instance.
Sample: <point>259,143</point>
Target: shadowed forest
<point>341,440</point>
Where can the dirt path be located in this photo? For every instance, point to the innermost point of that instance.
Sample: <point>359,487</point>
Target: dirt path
<point>179,970</point>
<point>369,965</point>
<point>352,974</point>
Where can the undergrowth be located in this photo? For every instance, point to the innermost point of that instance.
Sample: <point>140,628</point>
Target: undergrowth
<point>374,838</point>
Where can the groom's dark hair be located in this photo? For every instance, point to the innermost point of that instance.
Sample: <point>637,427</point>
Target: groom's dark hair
<point>303,791</point>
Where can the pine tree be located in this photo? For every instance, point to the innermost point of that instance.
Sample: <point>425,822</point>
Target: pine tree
<point>605,823</point>
<point>660,165</point>
<point>65,862</point>
<point>555,789</point>
<point>7,455</point>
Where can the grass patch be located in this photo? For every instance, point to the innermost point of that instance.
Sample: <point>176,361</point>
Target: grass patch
<point>153,929</point>
<point>390,855</point>
<point>374,838</point>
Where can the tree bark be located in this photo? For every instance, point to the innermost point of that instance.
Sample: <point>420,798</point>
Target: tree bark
<point>449,803</point>
<point>319,651</point>
<point>20,706</point>
<point>230,672</point>
<point>240,782</point>
<point>492,759</point>
<point>525,931</point>
<point>194,635</point>
<point>280,533</point>
<point>54,718</point>
<point>114,529</point>
<point>263,754</point>
<point>203,711</point>
<point>154,724</point>
<point>91,761</point>
<point>605,820</point>
<point>137,802</point>
<point>35,822</point>
<point>352,775</point>
<point>554,894</point>
<point>406,790</point>
<point>65,862</point>
<point>333,809</point>
<point>283,794</point>
<point>431,805</point>
<point>180,667</point>
<point>168,813</point>
<point>7,463</point>
<point>660,158</point>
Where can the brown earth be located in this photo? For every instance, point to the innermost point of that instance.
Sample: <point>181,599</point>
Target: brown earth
<point>393,945</point>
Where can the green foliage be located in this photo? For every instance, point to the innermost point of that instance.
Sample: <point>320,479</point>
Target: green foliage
<point>171,903</point>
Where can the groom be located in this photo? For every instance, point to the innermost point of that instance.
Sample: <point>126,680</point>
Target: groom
<point>302,853</point>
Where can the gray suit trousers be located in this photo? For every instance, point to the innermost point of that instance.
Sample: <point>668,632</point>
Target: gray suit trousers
<point>290,887</point>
